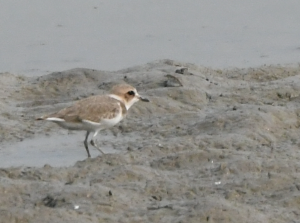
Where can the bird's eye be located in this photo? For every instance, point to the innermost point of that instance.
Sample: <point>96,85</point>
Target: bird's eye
<point>131,93</point>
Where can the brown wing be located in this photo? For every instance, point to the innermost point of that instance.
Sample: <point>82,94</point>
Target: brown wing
<point>93,108</point>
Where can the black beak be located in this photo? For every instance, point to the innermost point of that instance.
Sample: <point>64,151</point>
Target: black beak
<point>144,99</point>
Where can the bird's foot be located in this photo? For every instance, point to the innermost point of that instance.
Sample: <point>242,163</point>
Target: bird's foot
<point>93,143</point>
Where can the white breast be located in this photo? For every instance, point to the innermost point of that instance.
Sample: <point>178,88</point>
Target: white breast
<point>104,123</point>
<point>113,121</point>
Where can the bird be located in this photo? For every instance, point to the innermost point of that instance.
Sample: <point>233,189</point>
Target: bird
<point>98,112</point>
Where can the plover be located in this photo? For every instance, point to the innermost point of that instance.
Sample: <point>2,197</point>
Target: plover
<point>98,112</point>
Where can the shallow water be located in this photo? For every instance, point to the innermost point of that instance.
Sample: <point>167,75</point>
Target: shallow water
<point>54,150</point>
<point>39,37</point>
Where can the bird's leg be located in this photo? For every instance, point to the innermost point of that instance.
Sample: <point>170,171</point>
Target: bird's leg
<point>86,144</point>
<point>93,142</point>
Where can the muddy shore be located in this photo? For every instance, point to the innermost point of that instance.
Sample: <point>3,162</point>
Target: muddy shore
<point>212,146</point>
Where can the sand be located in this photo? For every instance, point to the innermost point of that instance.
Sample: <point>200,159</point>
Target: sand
<point>212,146</point>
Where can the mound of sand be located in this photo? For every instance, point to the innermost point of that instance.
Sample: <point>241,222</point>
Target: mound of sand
<point>212,146</point>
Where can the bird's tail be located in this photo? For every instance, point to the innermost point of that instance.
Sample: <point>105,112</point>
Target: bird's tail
<point>40,118</point>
